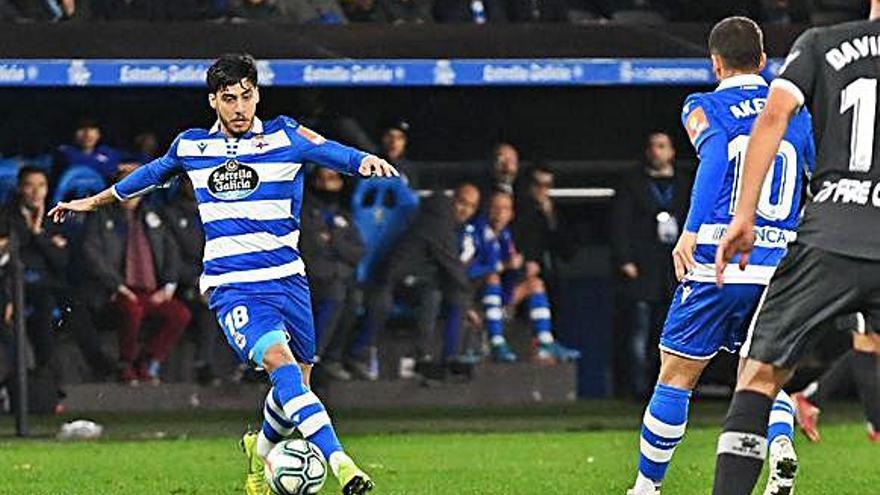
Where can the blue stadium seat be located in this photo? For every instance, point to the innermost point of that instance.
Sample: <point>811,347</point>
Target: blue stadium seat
<point>382,209</point>
<point>78,181</point>
<point>8,180</point>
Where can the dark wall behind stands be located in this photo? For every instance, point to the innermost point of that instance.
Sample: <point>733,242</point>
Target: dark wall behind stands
<point>447,123</point>
<point>273,40</point>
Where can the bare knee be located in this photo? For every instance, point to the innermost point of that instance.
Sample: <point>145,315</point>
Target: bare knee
<point>679,372</point>
<point>761,377</point>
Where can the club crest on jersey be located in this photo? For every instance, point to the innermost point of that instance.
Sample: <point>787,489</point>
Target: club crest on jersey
<point>233,181</point>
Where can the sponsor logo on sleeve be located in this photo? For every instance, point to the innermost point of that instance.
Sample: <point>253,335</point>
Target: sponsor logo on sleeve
<point>310,135</point>
<point>696,123</point>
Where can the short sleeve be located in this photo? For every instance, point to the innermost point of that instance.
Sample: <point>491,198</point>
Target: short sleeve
<point>798,74</point>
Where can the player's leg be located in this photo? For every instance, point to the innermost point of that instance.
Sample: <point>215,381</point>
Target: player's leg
<point>810,287</point>
<point>538,305</point>
<point>866,374</point>
<point>665,420</point>
<point>493,314</point>
<point>702,320</point>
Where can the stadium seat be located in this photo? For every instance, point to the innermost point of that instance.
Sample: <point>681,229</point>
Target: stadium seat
<point>8,181</point>
<point>382,209</point>
<point>78,181</point>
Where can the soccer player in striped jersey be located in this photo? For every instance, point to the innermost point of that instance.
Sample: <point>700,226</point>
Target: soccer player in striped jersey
<point>248,180</point>
<point>703,318</point>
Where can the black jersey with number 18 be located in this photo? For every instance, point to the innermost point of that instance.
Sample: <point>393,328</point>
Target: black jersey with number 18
<point>835,71</point>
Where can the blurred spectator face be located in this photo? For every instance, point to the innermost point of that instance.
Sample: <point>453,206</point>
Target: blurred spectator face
<point>256,2</point>
<point>394,142</point>
<point>542,182</point>
<point>87,136</point>
<point>660,153</point>
<point>34,188</point>
<point>147,144</point>
<point>328,180</point>
<point>500,211</point>
<point>465,202</point>
<point>236,106</point>
<point>506,162</point>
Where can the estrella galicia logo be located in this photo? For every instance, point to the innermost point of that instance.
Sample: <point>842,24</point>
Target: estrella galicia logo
<point>232,181</point>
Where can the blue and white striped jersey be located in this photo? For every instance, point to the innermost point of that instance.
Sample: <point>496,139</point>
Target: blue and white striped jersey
<point>719,124</point>
<point>249,191</point>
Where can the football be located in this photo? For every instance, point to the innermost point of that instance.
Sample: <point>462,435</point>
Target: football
<point>295,467</point>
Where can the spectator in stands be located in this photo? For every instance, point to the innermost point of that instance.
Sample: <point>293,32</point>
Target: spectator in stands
<point>425,260</point>
<point>313,11</point>
<point>650,205</point>
<point>319,117</point>
<point>44,252</point>
<point>332,247</point>
<point>87,150</point>
<point>146,147</point>
<point>504,172</point>
<point>470,12</point>
<point>134,269</point>
<point>539,228</point>
<point>255,10</point>
<point>395,139</point>
<point>184,224</point>
<point>152,10</point>
<point>504,282</point>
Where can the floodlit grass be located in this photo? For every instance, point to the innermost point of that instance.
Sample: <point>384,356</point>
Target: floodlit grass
<point>553,461</point>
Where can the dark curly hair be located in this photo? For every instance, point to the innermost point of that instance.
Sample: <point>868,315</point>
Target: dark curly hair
<point>230,69</point>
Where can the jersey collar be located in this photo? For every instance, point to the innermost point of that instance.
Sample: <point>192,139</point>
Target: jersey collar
<point>741,80</point>
<point>257,128</point>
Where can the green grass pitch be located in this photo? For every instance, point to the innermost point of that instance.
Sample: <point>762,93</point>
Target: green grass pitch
<point>489,452</point>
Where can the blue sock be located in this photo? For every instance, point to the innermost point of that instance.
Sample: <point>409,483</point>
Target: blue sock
<point>323,311</point>
<point>492,303</point>
<point>662,430</point>
<point>452,330</point>
<point>539,313</point>
<point>781,418</point>
<point>301,407</point>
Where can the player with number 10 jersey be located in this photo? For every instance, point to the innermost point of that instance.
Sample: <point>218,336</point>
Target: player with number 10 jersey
<point>718,124</point>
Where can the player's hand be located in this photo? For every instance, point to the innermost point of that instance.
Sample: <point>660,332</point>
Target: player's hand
<point>683,254</point>
<point>373,166</point>
<point>739,239</point>
<point>630,271</point>
<point>60,211</point>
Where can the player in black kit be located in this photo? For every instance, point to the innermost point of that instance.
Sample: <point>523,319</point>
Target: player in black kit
<point>834,266</point>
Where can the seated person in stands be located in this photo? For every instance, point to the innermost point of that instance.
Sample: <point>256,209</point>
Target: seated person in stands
<point>332,247</point>
<point>505,281</point>
<point>86,150</point>
<point>133,268</point>
<point>184,224</point>
<point>395,139</point>
<point>426,261</point>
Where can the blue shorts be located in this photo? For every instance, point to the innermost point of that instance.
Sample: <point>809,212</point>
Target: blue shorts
<point>256,316</point>
<point>704,319</point>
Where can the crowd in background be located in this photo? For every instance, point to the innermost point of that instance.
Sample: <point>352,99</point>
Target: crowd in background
<point>428,11</point>
<point>468,261</point>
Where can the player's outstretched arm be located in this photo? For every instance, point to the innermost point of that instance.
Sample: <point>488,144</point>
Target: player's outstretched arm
<point>764,142</point>
<point>91,203</point>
